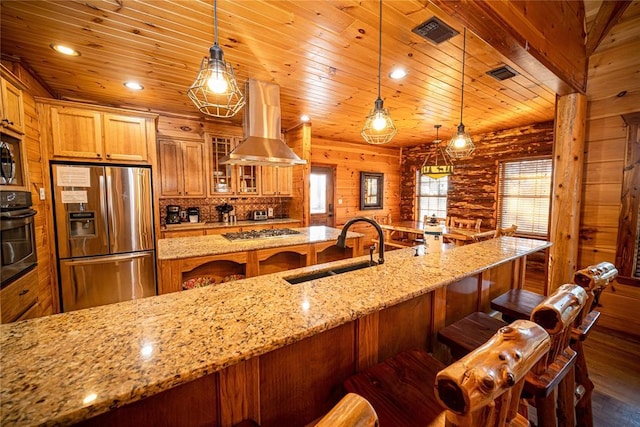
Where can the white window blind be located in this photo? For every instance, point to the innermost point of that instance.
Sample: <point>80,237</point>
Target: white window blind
<point>524,195</point>
<point>432,196</point>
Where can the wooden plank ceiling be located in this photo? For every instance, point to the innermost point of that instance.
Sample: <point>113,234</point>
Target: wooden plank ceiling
<point>323,54</point>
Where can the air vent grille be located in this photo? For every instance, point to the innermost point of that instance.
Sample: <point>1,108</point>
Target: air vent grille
<point>434,30</point>
<point>503,73</point>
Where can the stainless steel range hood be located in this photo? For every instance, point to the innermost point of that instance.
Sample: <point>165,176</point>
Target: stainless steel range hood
<point>261,124</point>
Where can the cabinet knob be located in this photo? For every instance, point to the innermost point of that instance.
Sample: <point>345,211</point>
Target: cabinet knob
<point>98,155</point>
<point>108,155</point>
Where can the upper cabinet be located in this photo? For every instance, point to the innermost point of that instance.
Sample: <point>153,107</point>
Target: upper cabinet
<point>221,180</point>
<point>11,111</point>
<point>277,181</point>
<point>100,134</point>
<point>182,166</point>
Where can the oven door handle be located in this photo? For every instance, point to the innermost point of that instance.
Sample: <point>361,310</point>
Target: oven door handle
<point>24,213</point>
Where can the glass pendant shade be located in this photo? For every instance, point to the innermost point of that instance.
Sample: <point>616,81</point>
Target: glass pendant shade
<point>378,128</point>
<point>215,91</point>
<point>460,145</point>
<point>431,167</point>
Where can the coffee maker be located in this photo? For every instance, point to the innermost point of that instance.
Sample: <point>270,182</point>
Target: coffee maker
<point>173,214</point>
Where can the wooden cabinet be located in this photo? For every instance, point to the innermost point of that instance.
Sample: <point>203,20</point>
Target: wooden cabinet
<point>182,165</point>
<point>248,180</point>
<point>12,111</point>
<point>103,134</point>
<point>221,180</point>
<point>277,181</point>
<point>182,233</point>
<point>18,301</point>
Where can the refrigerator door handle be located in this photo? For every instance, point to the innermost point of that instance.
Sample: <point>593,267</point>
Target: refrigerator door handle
<point>113,230</point>
<point>105,260</point>
<point>103,211</point>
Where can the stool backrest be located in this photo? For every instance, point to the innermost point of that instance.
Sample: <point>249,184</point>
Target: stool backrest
<point>508,231</point>
<point>382,219</point>
<point>483,388</point>
<point>557,314</point>
<point>594,279</point>
<point>352,411</point>
<point>471,224</point>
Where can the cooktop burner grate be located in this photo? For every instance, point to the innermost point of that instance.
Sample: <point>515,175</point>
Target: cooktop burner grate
<point>259,234</point>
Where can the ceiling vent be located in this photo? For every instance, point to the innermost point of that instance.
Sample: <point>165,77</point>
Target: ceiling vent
<point>503,73</point>
<point>435,30</point>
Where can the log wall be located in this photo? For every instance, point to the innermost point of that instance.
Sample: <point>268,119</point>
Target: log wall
<point>473,186</point>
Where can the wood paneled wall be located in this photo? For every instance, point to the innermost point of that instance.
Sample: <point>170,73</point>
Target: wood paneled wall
<point>47,291</point>
<point>351,159</point>
<point>472,187</point>
<point>606,137</point>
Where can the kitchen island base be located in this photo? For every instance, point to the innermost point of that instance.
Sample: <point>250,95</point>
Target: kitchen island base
<point>298,383</point>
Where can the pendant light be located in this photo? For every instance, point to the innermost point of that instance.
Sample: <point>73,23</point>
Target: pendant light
<point>432,168</point>
<point>461,145</point>
<point>215,91</point>
<point>379,128</point>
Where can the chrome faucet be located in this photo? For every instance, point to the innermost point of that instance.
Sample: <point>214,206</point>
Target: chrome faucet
<point>341,243</point>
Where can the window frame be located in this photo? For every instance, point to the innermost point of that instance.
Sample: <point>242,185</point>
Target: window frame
<point>500,198</point>
<point>419,196</point>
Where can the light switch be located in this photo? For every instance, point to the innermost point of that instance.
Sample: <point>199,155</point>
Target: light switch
<point>42,194</point>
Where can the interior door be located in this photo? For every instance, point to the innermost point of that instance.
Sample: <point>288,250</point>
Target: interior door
<point>321,195</point>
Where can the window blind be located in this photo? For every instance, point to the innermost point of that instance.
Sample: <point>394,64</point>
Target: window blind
<point>524,195</point>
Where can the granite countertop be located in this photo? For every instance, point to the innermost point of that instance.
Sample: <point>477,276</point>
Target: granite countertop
<point>201,225</point>
<point>68,367</point>
<point>188,247</point>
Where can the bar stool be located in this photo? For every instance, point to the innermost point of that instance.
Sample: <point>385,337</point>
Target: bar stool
<point>556,314</point>
<point>352,410</point>
<point>481,389</point>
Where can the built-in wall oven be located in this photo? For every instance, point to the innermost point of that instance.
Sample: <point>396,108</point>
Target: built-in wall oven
<point>17,235</point>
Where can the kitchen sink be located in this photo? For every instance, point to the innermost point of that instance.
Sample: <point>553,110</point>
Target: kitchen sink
<point>294,280</point>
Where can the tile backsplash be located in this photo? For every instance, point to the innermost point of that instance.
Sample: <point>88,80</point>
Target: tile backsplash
<point>243,206</point>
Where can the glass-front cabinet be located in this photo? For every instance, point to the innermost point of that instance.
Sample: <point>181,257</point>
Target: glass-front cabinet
<point>228,179</point>
<point>221,175</point>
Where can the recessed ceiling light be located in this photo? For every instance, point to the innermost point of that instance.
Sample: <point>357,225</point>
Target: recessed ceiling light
<point>304,118</point>
<point>65,50</point>
<point>134,85</point>
<point>398,73</point>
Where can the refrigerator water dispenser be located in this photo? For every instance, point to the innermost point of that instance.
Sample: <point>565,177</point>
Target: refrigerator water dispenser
<point>82,224</point>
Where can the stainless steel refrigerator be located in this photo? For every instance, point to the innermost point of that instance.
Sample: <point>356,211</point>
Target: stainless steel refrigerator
<point>104,234</point>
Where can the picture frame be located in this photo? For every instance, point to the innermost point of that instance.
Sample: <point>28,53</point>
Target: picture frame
<point>371,190</point>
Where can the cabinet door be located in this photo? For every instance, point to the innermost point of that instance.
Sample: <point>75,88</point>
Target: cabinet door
<point>76,133</point>
<point>269,182</point>
<point>221,181</point>
<point>125,138</point>
<point>193,169</point>
<point>170,155</point>
<point>285,181</point>
<point>248,179</point>
<point>12,109</point>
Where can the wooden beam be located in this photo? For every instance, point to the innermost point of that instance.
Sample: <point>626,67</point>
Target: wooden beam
<point>546,39</point>
<point>608,16</point>
<point>568,165</point>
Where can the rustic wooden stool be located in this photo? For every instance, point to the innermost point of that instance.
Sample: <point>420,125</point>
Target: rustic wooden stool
<point>556,314</point>
<point>352,410</point>
<point>481,389</point>
<point>519,303</point>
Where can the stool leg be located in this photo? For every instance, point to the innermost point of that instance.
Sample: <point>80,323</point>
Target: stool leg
<point>546,410</point>
<point>566,400</point>
<point>584,413</point>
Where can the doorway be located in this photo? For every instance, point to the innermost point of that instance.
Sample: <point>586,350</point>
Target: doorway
<point>321,195</point>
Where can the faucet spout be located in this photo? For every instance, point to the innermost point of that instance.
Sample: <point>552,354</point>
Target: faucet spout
<point>341,243</point>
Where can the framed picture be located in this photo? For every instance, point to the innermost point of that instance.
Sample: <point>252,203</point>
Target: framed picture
<point>371,190</point>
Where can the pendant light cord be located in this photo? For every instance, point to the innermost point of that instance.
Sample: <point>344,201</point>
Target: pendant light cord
<point>464,49</point>
<point>215,22</point>
<point>379,48</point>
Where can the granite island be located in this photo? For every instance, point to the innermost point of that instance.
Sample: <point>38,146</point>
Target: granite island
<point>257,348</point>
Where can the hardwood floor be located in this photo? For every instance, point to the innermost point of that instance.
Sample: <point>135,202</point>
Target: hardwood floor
<point>614,367</point>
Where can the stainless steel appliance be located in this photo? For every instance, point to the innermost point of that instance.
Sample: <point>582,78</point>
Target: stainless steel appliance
<point>193,214</point>
<point>173,214</point>
<point>104,234</point>
<point>17,235</point>
<point>259,215</point>
<point>260,234</point>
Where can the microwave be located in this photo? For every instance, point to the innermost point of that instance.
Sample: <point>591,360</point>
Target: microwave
<point>259,215</point>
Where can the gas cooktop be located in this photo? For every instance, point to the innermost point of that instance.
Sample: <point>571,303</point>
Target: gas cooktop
<point>259,234</point>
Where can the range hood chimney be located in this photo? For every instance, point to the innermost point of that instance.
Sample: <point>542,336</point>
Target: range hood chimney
<point>261,124</point>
